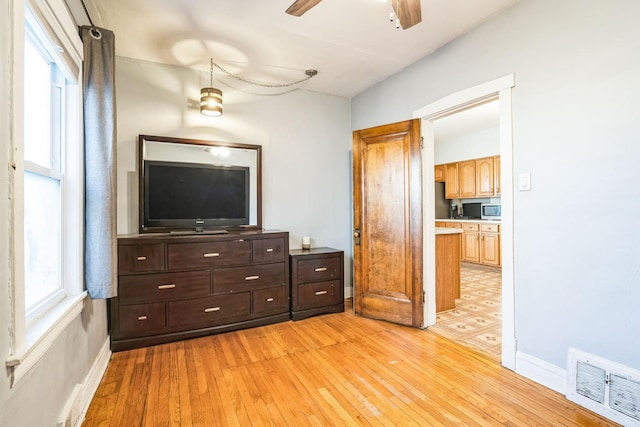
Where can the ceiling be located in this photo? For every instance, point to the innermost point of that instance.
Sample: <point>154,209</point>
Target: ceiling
<point>351,43</point>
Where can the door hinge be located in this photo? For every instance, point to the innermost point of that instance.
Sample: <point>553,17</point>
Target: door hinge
<point>422,142</point>
<point>424,297</point>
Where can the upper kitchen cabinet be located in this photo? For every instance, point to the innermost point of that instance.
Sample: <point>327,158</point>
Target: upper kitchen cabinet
<point>451,181</point>
<point>470,178</point>
<point>496,167</point>
<point>467,178</point>
<point>438,173</point>
<point>485,177</point>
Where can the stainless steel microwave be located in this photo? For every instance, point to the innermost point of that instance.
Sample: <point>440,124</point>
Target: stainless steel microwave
<point>491,211</point>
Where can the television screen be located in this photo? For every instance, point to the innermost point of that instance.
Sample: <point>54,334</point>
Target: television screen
<point>191,195</point>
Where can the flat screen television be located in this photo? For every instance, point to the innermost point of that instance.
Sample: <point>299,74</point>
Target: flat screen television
<point>193,196</point>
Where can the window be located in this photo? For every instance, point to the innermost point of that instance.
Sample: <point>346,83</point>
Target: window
<point>47,203</point>
<point>44,117</point>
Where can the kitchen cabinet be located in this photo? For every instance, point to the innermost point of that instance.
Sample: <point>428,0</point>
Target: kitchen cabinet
<point>485,185</point>
<point>451,181</point>
<point>471,242</point>
<point>470,178</point>
<point>496,174</point>
<point>490,244</point>
<point>467,178</point>
<point>480,242</point>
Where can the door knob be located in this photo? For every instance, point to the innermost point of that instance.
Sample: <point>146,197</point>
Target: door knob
<point>356,234</point>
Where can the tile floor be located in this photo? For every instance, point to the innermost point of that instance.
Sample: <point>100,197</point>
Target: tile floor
<point>477,320</point>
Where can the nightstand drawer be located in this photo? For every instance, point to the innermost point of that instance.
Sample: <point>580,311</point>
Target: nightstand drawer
<point>142,319</point>
<point>318,294</point>
<point>313,270</point>
<point>140,258</point>
<point>268,250</point>
<point>209,311</point>
<point>210,254</point>
<point>270,300</point>
<point>240,279</point>
<point>164,286</point>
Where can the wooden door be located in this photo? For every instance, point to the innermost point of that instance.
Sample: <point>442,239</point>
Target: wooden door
<point>496,167</point>
<point>438,173</point>
<point>484,177</point>
<point>387,197</point>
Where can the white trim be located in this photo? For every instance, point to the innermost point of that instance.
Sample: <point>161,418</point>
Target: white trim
<point>456,100</point>
<point>42,334</point>
<point>78,402</point>
<point>500,89</point>
<point>541,372</point>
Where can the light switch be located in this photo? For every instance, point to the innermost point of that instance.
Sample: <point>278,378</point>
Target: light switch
<point>525,181</point>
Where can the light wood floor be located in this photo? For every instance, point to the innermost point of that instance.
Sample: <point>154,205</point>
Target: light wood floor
<point>337,369</point>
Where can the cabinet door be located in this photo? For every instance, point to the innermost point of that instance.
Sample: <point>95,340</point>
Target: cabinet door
<point>490,249</point>
<point>484,177</point>
<point>470,246</point>
<point>438,173</point>
<point>451,184</point>
<point>496,167</point>
<point>468,178</point>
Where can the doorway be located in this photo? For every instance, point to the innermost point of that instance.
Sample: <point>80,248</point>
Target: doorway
<point>499,89</point>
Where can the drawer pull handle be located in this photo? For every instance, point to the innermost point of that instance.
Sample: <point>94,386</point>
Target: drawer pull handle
<point>270,250</point>
<point>171,286</point>
<point>211,255</point>
<point>252,278</point>
<point>269,299</point>
<point>211,309</point>
<point>321,269</point>
<point>142,318</point>
<point>321,292</point>
<point>141,258</point>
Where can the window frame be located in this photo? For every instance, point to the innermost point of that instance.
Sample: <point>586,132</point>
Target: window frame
<point>29,340</point>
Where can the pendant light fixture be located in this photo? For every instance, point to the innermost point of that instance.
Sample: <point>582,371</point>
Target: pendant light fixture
<point>211,98</point>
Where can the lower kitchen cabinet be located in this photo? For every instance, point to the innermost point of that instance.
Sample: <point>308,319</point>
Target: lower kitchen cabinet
<point>481,243</point>
<point>317,282</point>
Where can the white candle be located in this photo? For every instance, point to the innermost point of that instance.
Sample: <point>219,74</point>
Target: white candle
<point>306,242</point>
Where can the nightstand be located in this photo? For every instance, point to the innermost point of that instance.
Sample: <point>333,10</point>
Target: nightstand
<point>317,282</point>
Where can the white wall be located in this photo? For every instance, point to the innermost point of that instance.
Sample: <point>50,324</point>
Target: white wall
<point>576,127</point>
<point>483,143</point>
<point>305,139</point>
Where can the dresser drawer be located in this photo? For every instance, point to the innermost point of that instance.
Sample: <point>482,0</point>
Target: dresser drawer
<point>270,300</point>
<point>268,250</point>
<point>318,294</point>
<point>210,254</point>
<point>141,319</point>
<point>209,311</point>
<point>312,270</point>
<point>140,258</point>
<point>240,279</point>
<point>164,286</point>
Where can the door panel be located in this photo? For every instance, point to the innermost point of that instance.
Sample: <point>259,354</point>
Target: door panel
<point>388,215</point>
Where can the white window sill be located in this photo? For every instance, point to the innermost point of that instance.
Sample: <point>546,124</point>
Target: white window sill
<point>42,334</point>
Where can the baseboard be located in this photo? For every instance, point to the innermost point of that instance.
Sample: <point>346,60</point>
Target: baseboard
<point>542,372</point>
<point>78,403</point>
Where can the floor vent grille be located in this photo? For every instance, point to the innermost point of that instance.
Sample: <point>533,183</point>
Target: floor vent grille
<point>605,387</point>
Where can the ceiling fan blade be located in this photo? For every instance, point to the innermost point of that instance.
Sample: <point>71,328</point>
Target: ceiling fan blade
<point>408,12</point>
<point>299,7</point>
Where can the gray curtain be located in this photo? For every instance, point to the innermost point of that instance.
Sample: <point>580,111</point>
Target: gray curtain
<point>100,241</point>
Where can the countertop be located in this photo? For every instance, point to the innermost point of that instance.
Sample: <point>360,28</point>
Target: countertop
<point>488,221</point>
<point>442,230</point>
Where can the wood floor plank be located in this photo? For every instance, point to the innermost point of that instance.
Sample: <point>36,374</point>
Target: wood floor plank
<point>336,369</point>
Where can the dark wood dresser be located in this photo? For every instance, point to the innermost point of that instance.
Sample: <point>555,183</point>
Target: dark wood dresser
<point>172,287</point>
<point>317,282</point>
